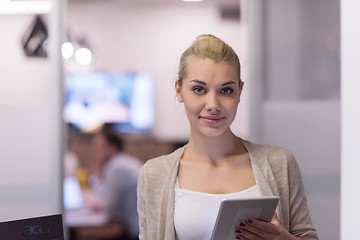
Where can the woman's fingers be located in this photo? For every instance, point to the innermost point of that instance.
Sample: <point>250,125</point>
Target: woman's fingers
<point>256,229</point>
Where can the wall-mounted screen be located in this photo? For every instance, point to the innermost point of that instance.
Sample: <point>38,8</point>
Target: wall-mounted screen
<point>123,99</point>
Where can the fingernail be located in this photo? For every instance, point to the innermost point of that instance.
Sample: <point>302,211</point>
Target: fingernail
<point>242,224</point>
<point>249,221</point>
<point>238,231</point>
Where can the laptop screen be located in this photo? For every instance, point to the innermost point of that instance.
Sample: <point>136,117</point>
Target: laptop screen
<point>73,198</point>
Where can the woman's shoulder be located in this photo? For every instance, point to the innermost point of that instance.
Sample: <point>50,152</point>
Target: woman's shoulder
<point>272,158</point>
<point>164,162</point>
<point>269,152</point>
<point>158,171</point>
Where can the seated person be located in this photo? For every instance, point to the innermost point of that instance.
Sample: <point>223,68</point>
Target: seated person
<point>117,174</point>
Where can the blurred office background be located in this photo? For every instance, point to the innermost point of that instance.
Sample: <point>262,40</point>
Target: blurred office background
<point>290,54</point>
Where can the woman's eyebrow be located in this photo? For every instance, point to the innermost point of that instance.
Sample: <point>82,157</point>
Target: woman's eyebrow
<point>228,83</point>
<point>203,83</point>
<point>198,81</point>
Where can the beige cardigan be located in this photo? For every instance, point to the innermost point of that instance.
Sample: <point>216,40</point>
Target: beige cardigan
<point>276,174</point>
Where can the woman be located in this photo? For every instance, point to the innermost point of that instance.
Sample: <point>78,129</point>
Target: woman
<point>179,194</point>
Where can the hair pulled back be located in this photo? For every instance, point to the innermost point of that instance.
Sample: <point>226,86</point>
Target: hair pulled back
<point>208,46</point>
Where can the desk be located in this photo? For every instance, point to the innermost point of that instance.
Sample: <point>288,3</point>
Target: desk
<point>86,224</point>
<point>86,221</point>
<point>85,217</point>
<point>91,223</point>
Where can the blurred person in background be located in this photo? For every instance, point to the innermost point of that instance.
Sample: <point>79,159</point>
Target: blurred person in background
<point>114,180</point>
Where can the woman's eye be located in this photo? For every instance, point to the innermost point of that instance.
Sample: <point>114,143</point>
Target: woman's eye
<point>226,91</point>
<point>199,90</point>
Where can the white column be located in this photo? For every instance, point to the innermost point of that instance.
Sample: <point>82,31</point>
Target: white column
<point>350,137</point>
<point>254,11</point>
<point>56,88</point>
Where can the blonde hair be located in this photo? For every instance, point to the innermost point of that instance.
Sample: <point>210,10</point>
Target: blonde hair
<point>208,46</point>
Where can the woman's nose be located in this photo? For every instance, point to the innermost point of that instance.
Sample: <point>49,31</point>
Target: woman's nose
<point>212,102</point>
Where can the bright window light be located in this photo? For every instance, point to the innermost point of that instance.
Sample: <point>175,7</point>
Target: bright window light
<point>83,56</point>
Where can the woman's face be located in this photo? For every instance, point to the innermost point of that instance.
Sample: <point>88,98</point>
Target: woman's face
<point>211,94</point>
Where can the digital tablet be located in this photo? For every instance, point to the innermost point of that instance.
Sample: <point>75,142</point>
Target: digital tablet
<point>232,211</point>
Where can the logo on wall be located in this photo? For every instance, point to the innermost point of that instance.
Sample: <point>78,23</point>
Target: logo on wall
<point>34,40</point>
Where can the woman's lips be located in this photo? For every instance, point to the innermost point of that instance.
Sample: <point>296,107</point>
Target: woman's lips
<point>212,119</point>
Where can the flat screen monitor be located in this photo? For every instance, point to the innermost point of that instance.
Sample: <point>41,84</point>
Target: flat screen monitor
<point>122,99</point>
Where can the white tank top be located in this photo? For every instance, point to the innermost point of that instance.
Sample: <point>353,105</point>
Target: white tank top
<point>195,212</point>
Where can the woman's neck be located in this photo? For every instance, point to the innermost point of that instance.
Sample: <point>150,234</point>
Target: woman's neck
<point>202,147</point>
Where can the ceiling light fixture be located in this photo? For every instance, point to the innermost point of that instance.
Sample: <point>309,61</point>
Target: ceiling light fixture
<point>84,56</point>
<point>25,7</point>
<point>67,50</point>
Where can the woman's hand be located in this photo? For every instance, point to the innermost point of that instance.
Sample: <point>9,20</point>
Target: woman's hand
<point>253,229</point>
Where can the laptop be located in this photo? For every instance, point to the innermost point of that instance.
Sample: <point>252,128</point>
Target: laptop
<point>73,197</point>
<point>37,228</point>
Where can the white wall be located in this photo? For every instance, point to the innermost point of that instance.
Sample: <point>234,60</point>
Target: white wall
<point>30,161</point>
<point>307,126</point>
<point>127,38</point>
<point>350,136</point>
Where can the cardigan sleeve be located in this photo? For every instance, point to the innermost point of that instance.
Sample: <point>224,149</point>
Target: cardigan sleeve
<point>300,220</point>
<point>141,205</point>
<point>156,192</point>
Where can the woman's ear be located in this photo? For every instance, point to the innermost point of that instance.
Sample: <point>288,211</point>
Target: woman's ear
<point>241,88</point>
<point>178,91</point>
